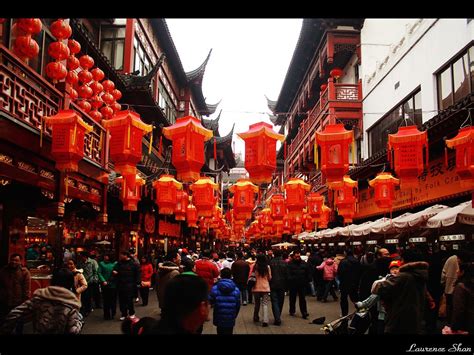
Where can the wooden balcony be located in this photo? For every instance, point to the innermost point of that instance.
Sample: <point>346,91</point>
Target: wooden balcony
<point>26,97</point>
<point>338,103</point>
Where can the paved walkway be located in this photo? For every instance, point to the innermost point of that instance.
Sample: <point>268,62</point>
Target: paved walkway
<point>244,324</point>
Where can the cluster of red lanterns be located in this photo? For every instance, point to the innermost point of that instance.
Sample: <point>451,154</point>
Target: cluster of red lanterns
<point>58,50</point>
<point>24,45</point>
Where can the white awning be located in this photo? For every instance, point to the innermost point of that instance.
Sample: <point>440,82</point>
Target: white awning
<point>302,235</point>
<point>418,217</point>
<point>347,230</point>
<point>331,233</point>
<point>386,224</point>
<point>466,216</point>
<point>449,216</point>
<point>364,228</point>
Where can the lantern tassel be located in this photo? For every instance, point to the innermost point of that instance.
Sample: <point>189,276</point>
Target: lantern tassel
<point>74,135</point>
<point>215,151</point>
<point>41,133</point>
<point>353,152</point>
<point>128,137</point>
<point>316,157</point>
<point>151,143</point>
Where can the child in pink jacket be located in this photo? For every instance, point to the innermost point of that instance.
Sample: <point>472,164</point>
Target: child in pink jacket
<point>329,268</point>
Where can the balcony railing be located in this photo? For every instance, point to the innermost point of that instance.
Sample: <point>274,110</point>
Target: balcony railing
<point>27,96</point>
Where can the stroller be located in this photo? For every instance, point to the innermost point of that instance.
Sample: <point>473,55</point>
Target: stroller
<point>356,322</point>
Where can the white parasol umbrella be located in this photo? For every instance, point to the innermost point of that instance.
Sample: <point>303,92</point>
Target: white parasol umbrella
<point>283,245</point>
<point>418,217</point>
<point>103,242</point>
<point>448,216</point>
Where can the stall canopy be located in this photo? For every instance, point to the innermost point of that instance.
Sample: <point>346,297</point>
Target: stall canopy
<point>418,217</point>
<point>347,230</point>
<point>386,224</point>
<point>364,228</point>
<point>461,212</point>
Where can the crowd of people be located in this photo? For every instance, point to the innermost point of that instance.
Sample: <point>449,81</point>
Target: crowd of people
<point>402,292</point>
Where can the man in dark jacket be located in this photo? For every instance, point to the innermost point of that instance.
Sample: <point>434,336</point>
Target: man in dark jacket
<point>404,295</point>
<point>349,275</point>
<point>278,284</point>
<point>299,276</point>
<point>225,296</point>
<point>166,271</point>
<point>240,273</point>
<point>127,274</point>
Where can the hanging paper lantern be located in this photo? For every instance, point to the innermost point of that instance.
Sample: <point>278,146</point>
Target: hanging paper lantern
<point>346,199</point>
<point>188,137</point>
<point>336,73</point>
<point>296,224</point>
<point>323,87</point>
<point>85,91</point>
<point>85,76</point>
<point>74,47</point>
<point>166,193</point>
<point>182,200</point>
<point>116,107</point>
<point>126,130</point>
<point>72,63</point>
<point>203,196</point>
<point>96,115</point>
<point>334,142</point>
<point>56,71</point>
<point>60,29</point>
<point>384,185</point>
<point>107,98</point>
<point>278,208</point>
<point>97,74</point>
<point>267,221</point>
<point>73,94</point>
<point>116,94</point>
<point>324,218</point>
<point>296,196</point>
<point>260,151</point>
<point>108,85</point>
<point>68,131</point>
<point>464,145</point>
<point>30,26</point>
<point>315,203</point>
<point>308,222</point>
<point>25,47</point>
<point>407,149</point>
<point>86,62</point>
<point>96,88</point>
<point>85,105</point>
<point>71,77</point>
<point>130,195</point>
<point>106,112</point>
<point>58,50</point>
<point>96,101</point>
<point>244,198</point>
<point>191,215</point>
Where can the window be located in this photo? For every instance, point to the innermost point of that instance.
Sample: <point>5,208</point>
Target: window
<point>409,110</point>
<point>166,104</point>
<point>112,41</point>
<point>456,80</point>
<point>142,63</point>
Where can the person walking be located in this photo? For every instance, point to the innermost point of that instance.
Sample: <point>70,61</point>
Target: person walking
<point>225,297</point>
<point>127,274</point>
<point>15,286</point>
<point>278,284</point>
<point>261,289</point>
<point>349,274</point>
<point>240,273</point>
<point>80,283</point>
<point>166,271</point>
<point>229,260</point>
<point>329,268</point>
<point>207,269</point>
<point>90,272</point>
<point>109,286</point>
<point>251,259</point>
<point>146,271</point>
<point>299,276</point>
<point>53,310</point>
<point>463,300</point>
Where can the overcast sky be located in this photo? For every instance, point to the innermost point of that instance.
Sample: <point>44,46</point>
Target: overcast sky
<point>250,58</point>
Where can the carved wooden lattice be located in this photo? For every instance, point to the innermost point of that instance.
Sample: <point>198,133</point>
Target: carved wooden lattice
<point>346,93</point>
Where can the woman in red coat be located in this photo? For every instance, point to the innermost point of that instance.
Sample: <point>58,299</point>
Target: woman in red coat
<point>146,271</point>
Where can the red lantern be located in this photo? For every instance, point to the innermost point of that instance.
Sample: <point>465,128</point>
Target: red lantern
<point>126,130</point>
<point>108,85</point>
<point>74,46</point>
<point>315,204</point>
<point>116,94</point>
<point>324,219</point>
<point>116,107</point>
<point>96,101</point>
<point>106,112</point>
<point>58,50</point>
<point>60,29</point>
<point>73,94</point>
<point>86,62</point>
<point>97,74</point>
<point>407,146</point>
<point>166,193</point>
<point>85,76</point>
<point>71,77</point>
<point>188,137</point>
<point>85,91</point>
<point>182,200</point>
<point>68,139</point>
<point>85,106</point>
<point>308,222</point>
<point>96,87</point>
<point>384,185</point>
<point>260,151</point>
<point>191,215</point>
<point>56,71</point>
<point>334,142</point>
<point>336,73</point>
<point>203,196</point>
<point>266,221</point>
<point>244,198</point>
<point>295,196</point>
<point>25,47</point>
<point>107,98</point>
<point>72,63</point>
<point>278,208</point>
<point>346,199</point>
<point>464,145</point>
<point>130,195</point>
<point>30,26</point>
<point>323,87</point>
<point>96,115</point>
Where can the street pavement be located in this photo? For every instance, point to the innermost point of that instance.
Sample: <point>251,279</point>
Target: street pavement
<point>95,324</point>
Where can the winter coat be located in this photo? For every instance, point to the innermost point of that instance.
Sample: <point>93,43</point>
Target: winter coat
<point>463,308</point>
<point>54,310</point>
<point>329,268</point>
<point>240,271</point>
<point>225,296</point>
<point>80,283</point>
<point>91,270</point>
<point>348,273</point>
<point>207,270</point>
<point>449,274</point>
<point>166,271</point>
<point>105,273</point>
<point>279,269</point>
<point>370,273</point>
<point>263,282</point>
<point>146,271</point>
<point>299,273</point>
<point>227,263</point>
<point>128,275</point>
<point>404,297</point>
<point>15,286</point>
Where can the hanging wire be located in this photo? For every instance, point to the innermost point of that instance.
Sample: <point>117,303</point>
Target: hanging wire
<point>468,118</point>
